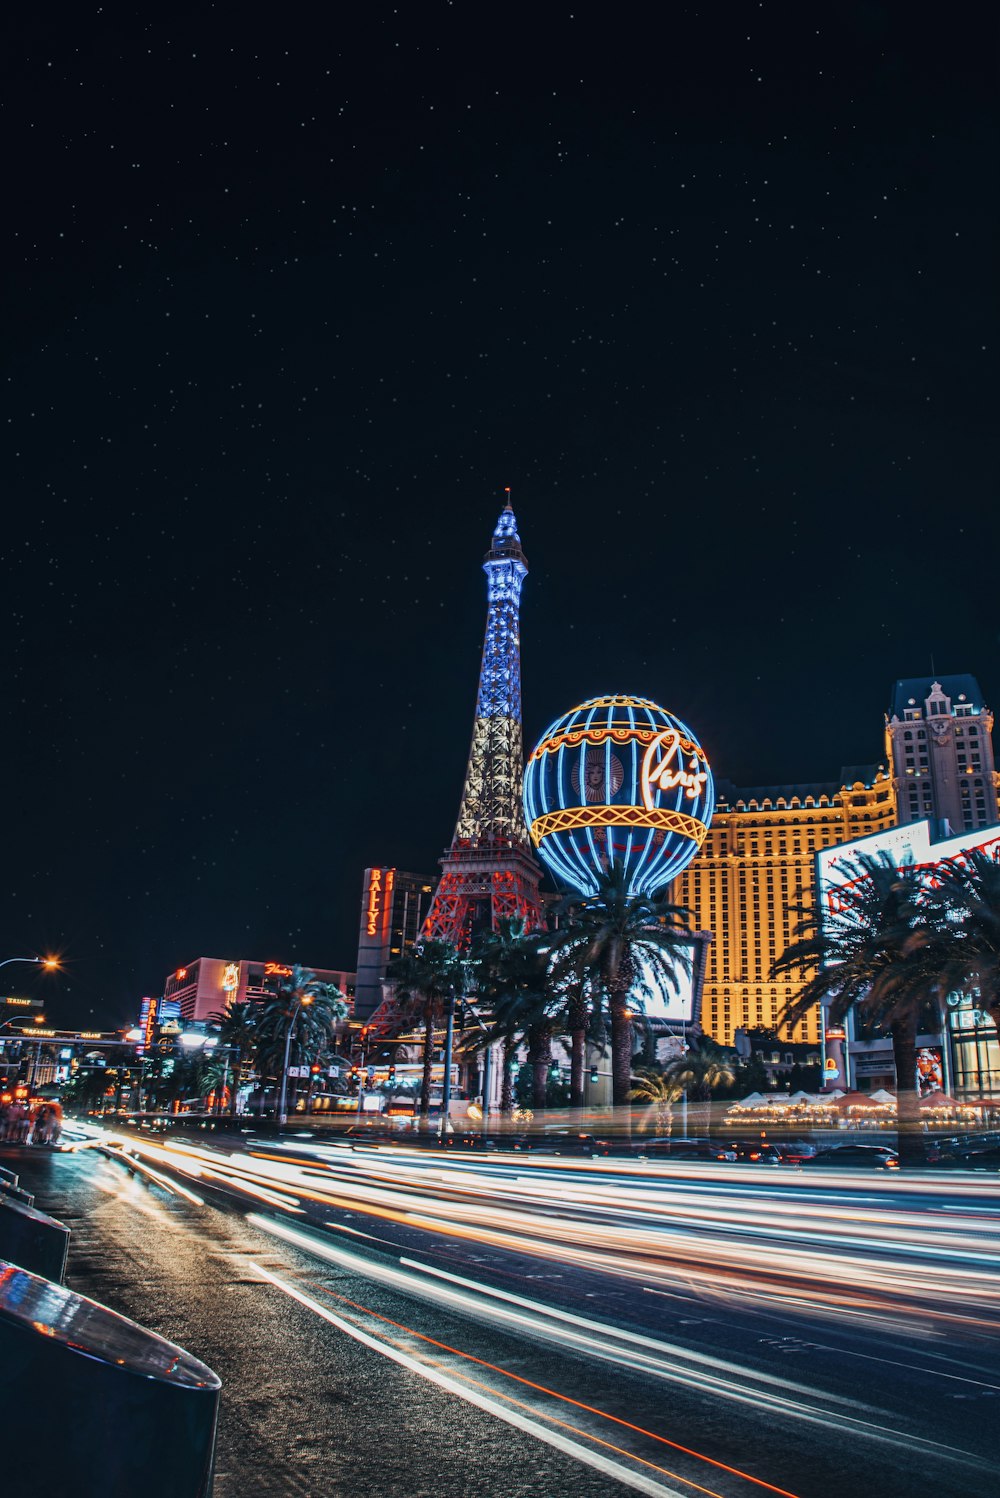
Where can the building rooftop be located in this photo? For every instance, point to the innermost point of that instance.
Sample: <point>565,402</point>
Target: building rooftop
<point>913,691</point>
<point>728,794</point>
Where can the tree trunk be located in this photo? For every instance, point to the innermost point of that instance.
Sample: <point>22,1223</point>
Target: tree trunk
<point>908,1124</point>
<point>237,1084</point>
<point>578,1066</point>
<point>621,1052</point>
<point>507,1083</point>
<point>425,1082</point>
<point>540,1055</point>
<point>577,1017</point>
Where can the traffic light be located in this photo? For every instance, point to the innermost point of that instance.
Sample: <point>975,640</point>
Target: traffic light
<point>315,1068</point>
<point>354,1076</point>
<point>392,1072</point>
<point>595,1076</point>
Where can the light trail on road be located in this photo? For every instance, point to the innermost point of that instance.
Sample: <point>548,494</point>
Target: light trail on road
<point>641,1315</point>
<point>894,1251</point>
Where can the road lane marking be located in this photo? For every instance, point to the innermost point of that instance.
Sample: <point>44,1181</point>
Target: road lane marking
<point>637,1480</point>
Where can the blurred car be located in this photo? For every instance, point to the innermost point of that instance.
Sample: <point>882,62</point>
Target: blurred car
<point>755,1152</point>
<point>556,1142</point>
<point>856,1157</point>
<point>795,1152</point>
<point>948,1150</point>
<point>968,1157</point>
<point>684,1149</point>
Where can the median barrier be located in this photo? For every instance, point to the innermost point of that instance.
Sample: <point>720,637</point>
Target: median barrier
<point>15,1194</point>
<point>31,1240</point>
<point>127,1411</point>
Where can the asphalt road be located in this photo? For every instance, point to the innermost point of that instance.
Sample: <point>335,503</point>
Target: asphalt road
<point>399,1324</point>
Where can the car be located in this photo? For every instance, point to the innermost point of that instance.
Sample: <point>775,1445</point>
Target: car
<point>684,1149</point>
<point>795,1152</point>
<point>756,1152</point>
<point>855,1157</point>
<point>969,1157</point>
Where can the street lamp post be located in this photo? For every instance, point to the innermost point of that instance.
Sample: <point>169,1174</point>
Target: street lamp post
<point>446,1080</point>
<point>304,999</point>
<point>47,962</point>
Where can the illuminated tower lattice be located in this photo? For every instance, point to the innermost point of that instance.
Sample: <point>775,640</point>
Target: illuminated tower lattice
<point>489,871</point>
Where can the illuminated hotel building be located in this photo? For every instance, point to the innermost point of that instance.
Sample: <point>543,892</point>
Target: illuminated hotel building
<point>756,863</point>
<point>938,742</point>
<point>394,907</point>
<point>208,985</point>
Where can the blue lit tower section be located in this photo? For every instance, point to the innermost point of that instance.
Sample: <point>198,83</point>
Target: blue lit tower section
<point>489,871</point>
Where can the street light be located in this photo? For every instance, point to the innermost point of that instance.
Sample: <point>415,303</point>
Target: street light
<point>303,1000</point>
<point>38,1019</point>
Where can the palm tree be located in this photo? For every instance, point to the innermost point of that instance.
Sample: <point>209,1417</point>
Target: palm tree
<point>660,1092</point>
<point>525,1013</point>
<point>626,947</point>
<point>312,1008</point>
<point>237,1026</point>
<point>876,952</point>
<point>966,902</point>
<point>700,1071</point>
<point>508,969</point>
<point>428,977</point>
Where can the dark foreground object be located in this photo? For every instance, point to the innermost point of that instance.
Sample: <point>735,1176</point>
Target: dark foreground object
<point>31,1240</point>
<point>123,1409</point>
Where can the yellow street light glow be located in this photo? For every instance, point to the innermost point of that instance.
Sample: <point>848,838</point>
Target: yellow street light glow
<point>307,998</point>
<point>39,1019</point>
<point>50,962</point>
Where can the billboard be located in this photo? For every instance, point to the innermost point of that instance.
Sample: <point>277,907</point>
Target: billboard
<point>681,1005</point>
<point>911,844</point>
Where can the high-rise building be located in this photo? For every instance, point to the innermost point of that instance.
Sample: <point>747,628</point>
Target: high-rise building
<point>208,985</point>
<point>394,907</point>
<point>756,864</point>
<point>489,871</point>
<point>937,737</point>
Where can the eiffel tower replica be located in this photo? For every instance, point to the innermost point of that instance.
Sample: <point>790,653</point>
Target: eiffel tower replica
<point>489,871</point>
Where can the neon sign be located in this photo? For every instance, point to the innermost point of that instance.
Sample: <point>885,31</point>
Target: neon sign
<point>231,977</point>
<point>276,970</point>
<point>668,773</point>
<point>150,1034</point>
<point>379,889</point>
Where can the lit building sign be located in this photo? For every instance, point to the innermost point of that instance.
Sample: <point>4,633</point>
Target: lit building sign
<point>276,970</point>
<point>379,893</point>
<point>231,977</point>
<point>150,1032</point>
<point>668,772</point>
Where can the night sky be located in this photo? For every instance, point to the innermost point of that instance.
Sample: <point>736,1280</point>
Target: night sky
<point>292,295</point>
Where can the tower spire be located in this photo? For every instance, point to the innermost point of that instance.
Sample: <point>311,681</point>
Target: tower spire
<point>489,871</point>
